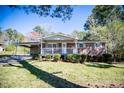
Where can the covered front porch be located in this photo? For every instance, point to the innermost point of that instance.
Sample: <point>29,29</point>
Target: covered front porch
<point>58,44</point>
<point>61,48</point>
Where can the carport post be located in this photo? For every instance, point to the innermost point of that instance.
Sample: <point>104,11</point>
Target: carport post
<point>41,47</point>
<point>16,49</point>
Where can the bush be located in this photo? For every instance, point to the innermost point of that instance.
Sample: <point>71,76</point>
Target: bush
<point>73,58</point>
<point>76,58</point>
<point>107,58</point>
<point>99,59</point>
<point>122,58</point>
<point>69,57</point>
<point>10,48</point>
<point>57,57</point>
<point>83,58</point>
<point>48,57</point>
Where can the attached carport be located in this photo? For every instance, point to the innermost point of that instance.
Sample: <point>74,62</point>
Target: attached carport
<point>34,46</point>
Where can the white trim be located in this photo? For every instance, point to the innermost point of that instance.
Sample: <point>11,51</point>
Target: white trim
<point>64,48</point>
<point>76,48</point>
<point>59,35</point>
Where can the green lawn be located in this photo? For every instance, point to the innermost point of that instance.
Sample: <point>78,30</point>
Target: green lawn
<point>53,74</point>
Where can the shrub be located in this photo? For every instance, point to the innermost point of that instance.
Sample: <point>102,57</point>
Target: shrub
<point>89,58</point>
<point>10,48</point>
<point>83,58</point>
<point>69,57</point>
<point>76,58</point>
<point>57,57</point>
<point>73,58</point>
<point>99,59</point>
<point>107,58</point>
<point>48,57</point>
<point>122,58</point>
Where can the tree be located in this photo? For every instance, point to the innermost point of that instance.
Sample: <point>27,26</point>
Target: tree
<point>112,33</point>
<point>40,30</point>
<point>3,36</point>
<point>78,34</point>
<point>19,37</point>
<point>14,35</point>
<point>102,14</point>
<point>11,34</point>
<point>59,11</point>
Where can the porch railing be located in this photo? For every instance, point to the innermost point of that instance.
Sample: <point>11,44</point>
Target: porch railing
<point>56,50</point>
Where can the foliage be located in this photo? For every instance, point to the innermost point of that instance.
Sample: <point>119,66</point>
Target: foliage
<point>57,57</point>
<point>78,34</point>
<point>11,33</point>
<point>10,47</point>
<point>89,36</point>
<point>112,34</point>
<point>14,35</point>
<point>40,30</point>
<point>107,58</point>
<point>48,56</point>
<point>83,58</point>
<point>119,53</point>
<point>73,58</point>
<point>103,14</point>
<point>69,57</point>
<point>63,12</point>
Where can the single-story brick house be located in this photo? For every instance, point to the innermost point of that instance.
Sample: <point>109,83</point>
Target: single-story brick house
<point>62,44</point>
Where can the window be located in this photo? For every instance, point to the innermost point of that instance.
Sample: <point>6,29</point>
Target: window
<point>80,45</point>
<point>49,45</point>
<point>90,45</point>
<point>54,45</point>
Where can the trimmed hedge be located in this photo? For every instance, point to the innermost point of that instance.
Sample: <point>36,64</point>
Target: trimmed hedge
<point>69,57</point>
<point>76,58</point>
<point>48,57</point>
<point>57,57</point>
<point>83,58</point>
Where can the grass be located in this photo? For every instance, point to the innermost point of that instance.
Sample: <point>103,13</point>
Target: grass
<point>53,74</point>
<point>20,50</point>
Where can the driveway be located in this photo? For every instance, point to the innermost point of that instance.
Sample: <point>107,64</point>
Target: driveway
<point>13,59</point>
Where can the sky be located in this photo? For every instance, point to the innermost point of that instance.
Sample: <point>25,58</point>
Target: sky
<point>24,23</point>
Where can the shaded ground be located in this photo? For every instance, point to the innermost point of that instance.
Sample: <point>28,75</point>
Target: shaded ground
<point>28,73</point>
<point>5,59</point>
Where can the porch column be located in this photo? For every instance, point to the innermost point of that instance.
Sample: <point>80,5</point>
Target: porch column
<point>75,50</point>
<point>64,48</point>
<point>52,50</point>
<point>84,45</point>
<point>94,45</point>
